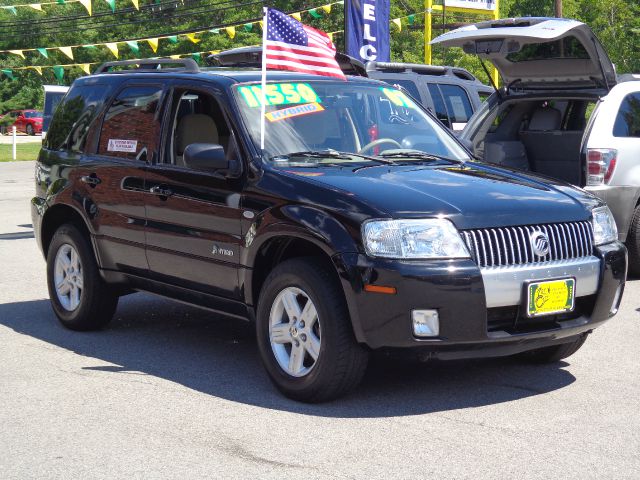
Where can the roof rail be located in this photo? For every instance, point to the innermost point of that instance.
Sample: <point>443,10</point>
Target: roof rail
<point>153,64</point>
<point>252,57</point>
<point>406,67</point>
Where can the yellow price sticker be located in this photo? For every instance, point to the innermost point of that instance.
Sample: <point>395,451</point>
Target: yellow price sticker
<point>397,97</point>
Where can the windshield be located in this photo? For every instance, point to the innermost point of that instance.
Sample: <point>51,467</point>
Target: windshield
<point>33,114</point>
<point>323,116</point>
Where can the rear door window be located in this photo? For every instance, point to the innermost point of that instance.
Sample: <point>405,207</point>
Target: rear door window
<point>458,105</point>
<point>438,104</point>
<point>627,122</point>
<point>131,125</point>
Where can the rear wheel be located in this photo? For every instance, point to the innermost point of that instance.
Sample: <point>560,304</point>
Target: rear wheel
<point>554,353</point>
<point>304,333</point>
<point>30,130</point>
<point>633,243</point>
<point>80,298</point>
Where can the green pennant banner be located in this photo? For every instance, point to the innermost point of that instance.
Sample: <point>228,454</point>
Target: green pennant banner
<point>412,19</point>
<point>196,57</point>
<point>58,71</point>
<point>43,52</point>
<point>12,10</point>
<point>173,39</point>
<point>60,2</point>
<point>112,4</point>
<point>314,13</point>
<point>248,27</point>
<point>8,72</point>
<point>133,45</point>
<point>90,46</point>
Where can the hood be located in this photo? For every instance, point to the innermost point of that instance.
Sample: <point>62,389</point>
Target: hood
<point>538,53</point>
<point>471,195</point>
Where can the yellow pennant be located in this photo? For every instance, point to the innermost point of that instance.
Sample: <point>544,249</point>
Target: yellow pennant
<point>17,52</point>
<point>330,35</point>
<point>192,37</point>
<point>260,23</point>
<point>87,5</point>
<point>67,51</point>
<point>398,23</point>
<point>231,31</point>
<point>327,8</point>
<point>36,6</point>
<point>135,4</point>
<point>297,16</point>
<point>153,43</point>
<point>86,67</point>
<point>175,57</point>
<point>113,47</point>
<point>37,69</point>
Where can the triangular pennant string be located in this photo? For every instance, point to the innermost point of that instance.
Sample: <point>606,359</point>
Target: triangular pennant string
<point>112,4</point>
<point>8,72</point>
<point>192,37</point>
<point>173,39</point>
<point>231,31</point>
<point>133,45</point>
<point>135,4</point>
<point>43,52</point>
<point>297,16</point>
<point>67,51</point>
<point>314,13</point>
<point>37,69</point>
<point>398,23</point>
<point>36,6</point>
<point>326,8</point>
<point>113,48</point>
<point>86,67</point>
<point>58,71</point>
<point>153,43</point>
<point>87,5</point>
<point>17,52</point>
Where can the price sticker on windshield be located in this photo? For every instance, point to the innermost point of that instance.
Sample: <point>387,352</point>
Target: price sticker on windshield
<point>397,97</point>
<point>278,94</point>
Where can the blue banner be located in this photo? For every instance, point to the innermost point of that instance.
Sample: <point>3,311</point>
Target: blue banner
<point>367,27</point>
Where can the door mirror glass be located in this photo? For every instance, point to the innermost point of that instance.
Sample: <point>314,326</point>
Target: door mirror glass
<point>205,156</point>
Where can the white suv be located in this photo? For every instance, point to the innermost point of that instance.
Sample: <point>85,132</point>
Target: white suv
<point>562,112</point>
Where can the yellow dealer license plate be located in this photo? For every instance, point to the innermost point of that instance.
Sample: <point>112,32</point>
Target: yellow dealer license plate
<point>553,296</point>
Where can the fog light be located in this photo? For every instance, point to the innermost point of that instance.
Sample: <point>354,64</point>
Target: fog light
<point>425,323</point>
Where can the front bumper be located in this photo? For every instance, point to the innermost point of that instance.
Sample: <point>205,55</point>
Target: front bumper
<point>469,327</point>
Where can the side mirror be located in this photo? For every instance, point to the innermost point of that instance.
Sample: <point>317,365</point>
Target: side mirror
<point>207,157</point>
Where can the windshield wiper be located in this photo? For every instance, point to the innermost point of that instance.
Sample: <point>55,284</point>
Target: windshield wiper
<point>418,155</point>
<point>330,154</point>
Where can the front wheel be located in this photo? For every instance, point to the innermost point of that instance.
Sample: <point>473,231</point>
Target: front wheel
<point>80,298</point>
<point>30,130</point>
<point>304,333</point>
<point>554,353</point>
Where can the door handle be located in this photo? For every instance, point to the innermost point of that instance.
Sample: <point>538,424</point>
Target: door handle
<point>91,180</point>
<point>161,191</point>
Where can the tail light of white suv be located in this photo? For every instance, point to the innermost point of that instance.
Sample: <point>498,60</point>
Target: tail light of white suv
<point>601,162</point>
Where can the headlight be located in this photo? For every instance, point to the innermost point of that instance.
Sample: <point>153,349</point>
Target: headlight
<point>424,238</point>
<point>604,226</point>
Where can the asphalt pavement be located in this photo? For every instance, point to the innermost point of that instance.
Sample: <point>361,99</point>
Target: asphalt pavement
<point>171,391</point>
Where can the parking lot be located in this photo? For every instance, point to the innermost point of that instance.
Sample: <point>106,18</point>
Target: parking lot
<point>171,391</point>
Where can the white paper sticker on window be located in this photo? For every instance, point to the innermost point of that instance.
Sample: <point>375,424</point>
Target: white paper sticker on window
<point>116,145</point>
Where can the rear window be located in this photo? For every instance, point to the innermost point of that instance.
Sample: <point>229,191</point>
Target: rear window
<point>569,47</point>
<point>627,122</point>
<point>74,116</point>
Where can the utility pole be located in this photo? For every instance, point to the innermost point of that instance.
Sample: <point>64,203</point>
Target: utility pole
<point>557,6</point>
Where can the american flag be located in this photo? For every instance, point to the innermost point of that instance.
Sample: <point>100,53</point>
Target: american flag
<point>290,45</point>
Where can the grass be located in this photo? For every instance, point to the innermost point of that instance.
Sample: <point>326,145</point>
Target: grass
<point>24,151</point>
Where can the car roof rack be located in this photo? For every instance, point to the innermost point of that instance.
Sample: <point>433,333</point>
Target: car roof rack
<point>150,65</point>
<point>252,57</point>
<point>438,70</point>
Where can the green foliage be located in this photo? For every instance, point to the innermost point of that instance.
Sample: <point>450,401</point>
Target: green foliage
<point>616,22</point>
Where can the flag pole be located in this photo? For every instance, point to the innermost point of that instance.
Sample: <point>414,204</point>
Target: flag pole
<point>265,12</point>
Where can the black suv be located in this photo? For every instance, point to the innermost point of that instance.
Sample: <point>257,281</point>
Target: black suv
<point>361,223</point>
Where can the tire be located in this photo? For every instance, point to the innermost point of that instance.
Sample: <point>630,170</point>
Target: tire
<point>340,362</point>
<point>82,301</point>
<point>30,130</point>
<point>554,353</point>
<point>633,243</point>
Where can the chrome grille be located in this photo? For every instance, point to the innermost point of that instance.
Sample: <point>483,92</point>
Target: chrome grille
<point>493,247</point>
